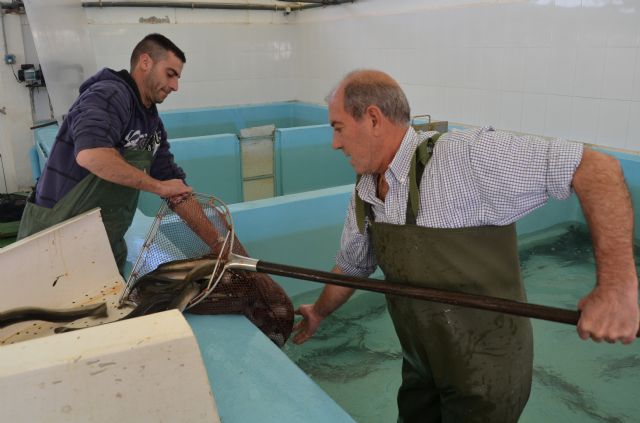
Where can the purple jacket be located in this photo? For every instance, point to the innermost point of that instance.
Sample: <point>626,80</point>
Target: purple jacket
<point>108,113</point>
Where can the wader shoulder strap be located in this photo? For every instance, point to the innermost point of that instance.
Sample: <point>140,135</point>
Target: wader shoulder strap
<point>419,161</point>
<point>418,164</point>
<point>362,209</point>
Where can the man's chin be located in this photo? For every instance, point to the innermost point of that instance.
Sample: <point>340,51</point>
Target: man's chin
<point>162,97</point>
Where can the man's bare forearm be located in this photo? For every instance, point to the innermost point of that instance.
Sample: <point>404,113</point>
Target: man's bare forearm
<point>108,164</point>
<point>606,203</point>
<point>610,311</point>
<point>332,297</point>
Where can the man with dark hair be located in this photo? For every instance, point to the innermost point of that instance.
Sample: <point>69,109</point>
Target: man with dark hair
<point>449,223</point>
<point>156,46</point>
<point>111,145</point>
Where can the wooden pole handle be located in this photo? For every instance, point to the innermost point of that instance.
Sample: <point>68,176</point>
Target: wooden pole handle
<point>481,302</point>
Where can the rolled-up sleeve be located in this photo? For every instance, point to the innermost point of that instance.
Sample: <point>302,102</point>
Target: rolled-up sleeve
<point>563,158</point>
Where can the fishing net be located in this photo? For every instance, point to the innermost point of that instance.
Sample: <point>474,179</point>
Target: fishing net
<point>177,264</point>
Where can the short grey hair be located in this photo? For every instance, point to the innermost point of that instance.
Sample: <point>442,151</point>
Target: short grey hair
<point>364,88</point>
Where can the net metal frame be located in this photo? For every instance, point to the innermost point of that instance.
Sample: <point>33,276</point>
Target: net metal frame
<point>170,238</point>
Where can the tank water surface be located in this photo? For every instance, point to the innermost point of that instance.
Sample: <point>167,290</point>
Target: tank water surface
<point>356,358</point>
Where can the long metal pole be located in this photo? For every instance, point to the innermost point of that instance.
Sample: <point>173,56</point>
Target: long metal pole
<point>476,301</point>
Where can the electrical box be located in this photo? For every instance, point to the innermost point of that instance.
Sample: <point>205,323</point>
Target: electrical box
<point>30,75</point>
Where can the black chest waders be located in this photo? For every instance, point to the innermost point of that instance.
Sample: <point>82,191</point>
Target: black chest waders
<point>459,364</point>
<point>117,203</point>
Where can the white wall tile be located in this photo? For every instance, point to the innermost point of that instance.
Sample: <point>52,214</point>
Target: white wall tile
<point>510,111</point>
<point>565,26</point>
<point>537,61</point>
<point>636,78</point>
<point>487,107</point>
<point>585,113</point>
<point>589,72</point>
<point>491,25</point>
<point>476,73</point>
<point>475,104</point>
<point>394,61</point>
<point>534,110</point>
<point>512,69</point>
<point>619,67</point>
<point>528,25</point>
<point>558,116</point>
<point>346,34</point>
<point>437,106</point>
<point>561,70</point>
<point>376,31</point>
<point>453,64</point>
<point>567,4</point>
<point>633,133</point>
<point>373,58</point>
<point>613,123</point>
<point>592,32</point>
<point>421,67</point>
<point>626,31</point>
<point>493,77</point>
<point>456,105</point>
<point>425,100</point>
<point>434,68</point>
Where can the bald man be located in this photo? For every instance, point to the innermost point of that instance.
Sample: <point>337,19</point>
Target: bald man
<point>458,233</point>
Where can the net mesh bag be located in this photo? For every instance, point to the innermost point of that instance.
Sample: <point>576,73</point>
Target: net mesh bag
<point>174,263</point>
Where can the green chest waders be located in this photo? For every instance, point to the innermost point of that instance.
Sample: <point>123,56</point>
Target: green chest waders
<point>117,203</point>
<point>459,364</point>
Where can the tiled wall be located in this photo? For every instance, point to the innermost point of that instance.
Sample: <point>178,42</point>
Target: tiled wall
<point>233,57</point>
<point>566,68</point>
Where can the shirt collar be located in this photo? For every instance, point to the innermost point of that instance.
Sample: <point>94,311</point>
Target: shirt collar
<point>398,169</point>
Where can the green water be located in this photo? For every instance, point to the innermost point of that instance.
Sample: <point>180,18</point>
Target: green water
<point>355,356</point>
<point>314,249</point>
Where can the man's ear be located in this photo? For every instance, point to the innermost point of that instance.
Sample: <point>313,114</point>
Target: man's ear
<point>374,115</point>
<point>145,62</point>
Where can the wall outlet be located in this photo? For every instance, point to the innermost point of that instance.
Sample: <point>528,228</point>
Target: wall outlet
<point>9,59</point>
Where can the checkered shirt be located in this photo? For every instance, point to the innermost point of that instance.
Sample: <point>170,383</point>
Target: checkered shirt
<point>475,177</point>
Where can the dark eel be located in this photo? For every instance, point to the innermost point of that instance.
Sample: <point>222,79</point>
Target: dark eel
<point>161,290</point>
<point>52,315</point>
<point>175,284</point>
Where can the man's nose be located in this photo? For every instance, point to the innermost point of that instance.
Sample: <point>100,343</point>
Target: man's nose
<point>335,144</point>
<point>173,84</point>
